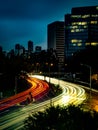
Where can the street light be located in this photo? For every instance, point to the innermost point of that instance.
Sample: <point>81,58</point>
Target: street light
<point>51,64</point>
<point>37,67</point>
<point>15,85</point>
<point>89,76</point>
<point>59,66</point>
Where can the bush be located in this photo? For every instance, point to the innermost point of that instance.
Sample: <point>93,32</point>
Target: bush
<point>62,118</point>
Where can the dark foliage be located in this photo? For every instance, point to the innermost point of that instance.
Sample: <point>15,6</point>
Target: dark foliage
<point>10,68</point>
<point>62,118</point>
<point>22,84</point>
<point>87,56</point>
<point>12,65</point>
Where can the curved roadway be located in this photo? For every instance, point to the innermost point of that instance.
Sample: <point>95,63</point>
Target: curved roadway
<point>72,94</point>
<point>37,90</point>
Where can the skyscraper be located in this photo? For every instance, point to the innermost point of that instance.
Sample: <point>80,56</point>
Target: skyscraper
<point>81,29</point>
<point>56,39</point>
<point>30,47</point>
<point>19,49</point>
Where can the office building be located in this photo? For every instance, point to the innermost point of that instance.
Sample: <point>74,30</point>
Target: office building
<point>30,47</point>
<point>81,29</point>
<point>56,39</point>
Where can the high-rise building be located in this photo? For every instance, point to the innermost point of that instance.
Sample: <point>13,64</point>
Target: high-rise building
<point>1,49</point>
<point>38,49</point>
<point>56,39</point>
<point>30,47</point>
<point>81,29</point>
<point>19,49</point>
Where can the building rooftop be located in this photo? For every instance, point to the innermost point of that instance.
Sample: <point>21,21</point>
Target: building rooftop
<point>85,10</point>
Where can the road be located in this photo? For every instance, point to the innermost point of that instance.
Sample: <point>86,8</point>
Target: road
<point>36,91</point>
<point>92,101</point>
<point>71,94</point>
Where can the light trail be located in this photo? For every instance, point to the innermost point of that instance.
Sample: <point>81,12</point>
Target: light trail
<point>37,90</point>
<point>71,94</point>
<point>74,95</point>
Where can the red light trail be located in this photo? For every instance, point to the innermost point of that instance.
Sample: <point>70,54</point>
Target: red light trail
<point>38,89</point>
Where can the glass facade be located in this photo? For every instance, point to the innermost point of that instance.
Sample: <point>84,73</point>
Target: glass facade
<point>81,29</point>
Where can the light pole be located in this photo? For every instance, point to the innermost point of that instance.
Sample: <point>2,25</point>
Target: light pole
<point>90,72</point>
<point>51,64</point>
<point>15,84</point>
<point>58,75</point>
<point>37,67</point>
<point>49,73</point>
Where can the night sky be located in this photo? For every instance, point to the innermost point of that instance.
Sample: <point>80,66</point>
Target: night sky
<point>24,20</point>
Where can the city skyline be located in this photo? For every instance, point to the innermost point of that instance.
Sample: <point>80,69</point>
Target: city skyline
<point>21,21</point>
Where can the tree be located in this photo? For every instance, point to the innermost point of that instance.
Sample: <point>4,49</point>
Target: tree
<point>62,118</point>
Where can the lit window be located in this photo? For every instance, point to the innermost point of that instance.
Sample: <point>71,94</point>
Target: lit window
<point>77,30</point>
<point>93,22</point>
<point>94,15</point>
<point>74,23</point>
<point>74,27</point>
<point>87,44</point>
<point>85,16</point>
<point>85,26</point>
<point>75,40</point>
<point>74,44</point>
<point>76,16</point>
<point>94,43</point>
<point>72,30</point>
<point>79,44</point>
<point>79,23</point>
<point>79,40</point>
<point>83,23</point>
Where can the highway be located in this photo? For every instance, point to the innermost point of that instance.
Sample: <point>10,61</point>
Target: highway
<point>36,91</point>
<point>71,94</point>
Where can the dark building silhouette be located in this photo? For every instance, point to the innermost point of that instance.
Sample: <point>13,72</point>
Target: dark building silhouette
<point>81,29</point>
<point>56,39</point>
<point>19,49</point>
<point>11,53</point>
<point>38,49</point>
<point>30,47</point>
<point>1,49</point>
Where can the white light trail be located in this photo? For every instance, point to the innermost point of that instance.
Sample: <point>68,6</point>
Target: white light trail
<point>71,94</point>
